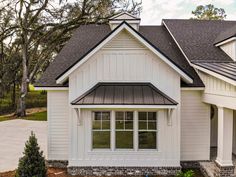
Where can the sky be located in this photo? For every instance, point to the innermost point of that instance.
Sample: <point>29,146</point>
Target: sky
<point>155,10</point>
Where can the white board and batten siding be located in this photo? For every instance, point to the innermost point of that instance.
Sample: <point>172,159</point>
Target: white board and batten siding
<point>134,63</point>
<point>195,127</point>
<point>58,125</point>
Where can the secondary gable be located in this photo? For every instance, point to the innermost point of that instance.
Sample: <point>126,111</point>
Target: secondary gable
<point>184,75</point>
<point>114,63</point>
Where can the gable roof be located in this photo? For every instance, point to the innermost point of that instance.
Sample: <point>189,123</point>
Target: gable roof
<point>196,38</point>
<point>87,37</point>
<point>124,94</point>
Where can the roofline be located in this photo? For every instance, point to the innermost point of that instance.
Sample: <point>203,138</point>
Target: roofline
<point>227,40</point>
<point>215,74</point>
<point>185,76</point>
<point>124,106</point>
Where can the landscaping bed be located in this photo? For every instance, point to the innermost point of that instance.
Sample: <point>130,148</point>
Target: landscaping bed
<point>59,172</point>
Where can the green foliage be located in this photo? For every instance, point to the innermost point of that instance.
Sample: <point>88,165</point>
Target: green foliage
<point>188,173</point>
<point>34,99</point>
<point>209,12</point>
<point>32,164</point>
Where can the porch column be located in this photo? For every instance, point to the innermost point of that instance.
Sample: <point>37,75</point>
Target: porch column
<point>225,137</point>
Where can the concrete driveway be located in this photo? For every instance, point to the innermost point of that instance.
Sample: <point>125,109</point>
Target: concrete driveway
<point>13,135</point>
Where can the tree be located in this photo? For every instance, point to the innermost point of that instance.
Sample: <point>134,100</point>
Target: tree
<point>33,162</point>
<point>41,28</point>
<point>209,12</point>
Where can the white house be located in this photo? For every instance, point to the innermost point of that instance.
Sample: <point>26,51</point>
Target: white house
<point>129,99</point>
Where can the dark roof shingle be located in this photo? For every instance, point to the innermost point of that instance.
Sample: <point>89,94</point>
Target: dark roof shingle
<point>197,37</point>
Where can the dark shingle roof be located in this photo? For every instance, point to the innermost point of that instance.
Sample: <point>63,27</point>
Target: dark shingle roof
<point>124,94</point>
<point>224,35</point>
<point>88,36</point>
<point>197,37</point>
<point>227,69</point>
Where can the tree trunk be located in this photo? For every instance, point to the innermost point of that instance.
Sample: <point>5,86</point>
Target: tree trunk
<point>13,98</point>
<point>24,82</point>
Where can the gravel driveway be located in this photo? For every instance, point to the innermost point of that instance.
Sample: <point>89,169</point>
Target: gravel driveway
<point>13,135</point>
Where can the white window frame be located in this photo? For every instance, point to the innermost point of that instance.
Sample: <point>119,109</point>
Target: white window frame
<point>124,130</point>
<point>135,132</point>
<point>147,130</point>
<point>106,130</point>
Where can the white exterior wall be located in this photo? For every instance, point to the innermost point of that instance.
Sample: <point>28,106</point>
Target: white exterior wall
<point>166,155</point>
<point>195,127</point>
<point>58,116</point>
<point>230,49</point>
<point>131,64</point>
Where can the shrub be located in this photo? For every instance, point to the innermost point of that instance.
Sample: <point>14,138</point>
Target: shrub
<point>32,164</point>
<point>188,173</point>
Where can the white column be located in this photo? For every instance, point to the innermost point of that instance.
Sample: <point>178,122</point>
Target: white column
<point>225,136</point>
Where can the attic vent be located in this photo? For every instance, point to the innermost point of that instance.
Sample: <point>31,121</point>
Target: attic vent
<point>124,16</point>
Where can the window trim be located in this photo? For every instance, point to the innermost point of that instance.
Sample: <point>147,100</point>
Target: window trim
<point>135,132</point>
<point>147,130</point>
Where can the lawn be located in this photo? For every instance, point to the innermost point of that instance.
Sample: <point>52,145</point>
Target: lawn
<point>38,116</point>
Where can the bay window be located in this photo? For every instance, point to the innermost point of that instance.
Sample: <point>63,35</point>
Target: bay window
<point>121,129</point>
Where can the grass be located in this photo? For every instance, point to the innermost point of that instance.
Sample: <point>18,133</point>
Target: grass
<point>39,116</point>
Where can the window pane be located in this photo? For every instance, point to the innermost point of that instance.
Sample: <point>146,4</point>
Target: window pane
<point>151,116</point>
<point>129,116</point>
<point>147,140</point>
<point>105,116</point>
<point>98,116</point>
<point>124,139</point>
<point>142,116</point>
<point>97,124</point>
<point>129,125</point>
<point>120,124</point>
<point>119,115</point>
<point>105,124</point>
<point>101,139</point>
<point>152,125</point>
<point>142,125</point>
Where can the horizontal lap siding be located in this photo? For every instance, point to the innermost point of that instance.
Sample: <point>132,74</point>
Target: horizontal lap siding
<point>195,127</point>
<point>58,116</point>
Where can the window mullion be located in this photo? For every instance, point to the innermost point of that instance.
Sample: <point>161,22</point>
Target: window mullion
<point>113,125</point>
<point>135,129</point>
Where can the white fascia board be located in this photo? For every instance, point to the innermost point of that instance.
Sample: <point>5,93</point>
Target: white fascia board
<point>119,14</point>
<point>51,88</point>
<point>124,106</point>
<point>192,88</point>
<point>226,41</point>
<point>183,75</point>
<point>127,21</point>
<point>219,76</point>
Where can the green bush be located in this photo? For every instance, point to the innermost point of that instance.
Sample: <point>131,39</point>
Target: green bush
<point>188,173</point>
<point>32,164</point>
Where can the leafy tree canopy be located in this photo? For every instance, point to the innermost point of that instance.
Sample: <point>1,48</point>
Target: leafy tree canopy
<point>209,12</point>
